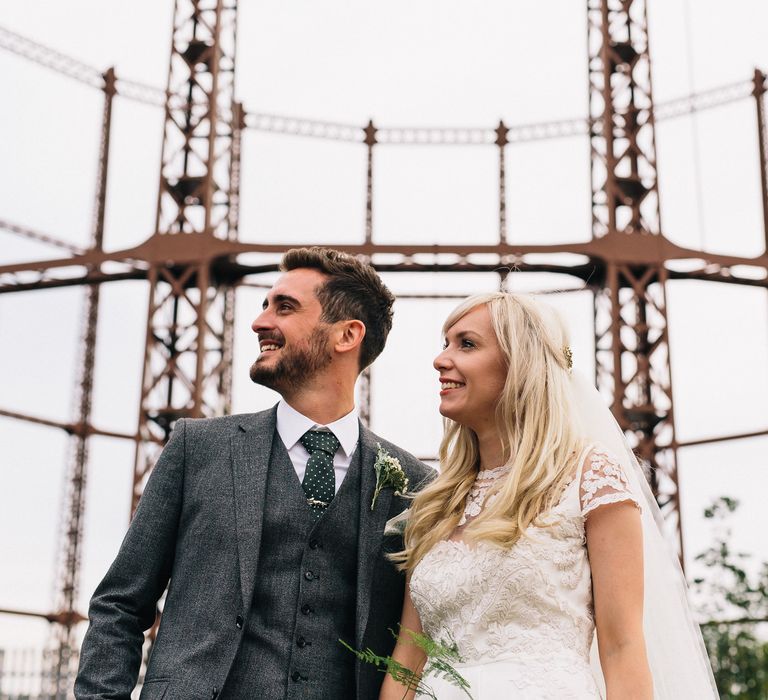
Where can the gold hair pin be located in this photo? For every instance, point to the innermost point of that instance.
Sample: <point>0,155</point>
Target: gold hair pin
<point>568,356</point>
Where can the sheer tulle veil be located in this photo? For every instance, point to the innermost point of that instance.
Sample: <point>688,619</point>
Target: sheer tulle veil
<point>676,652</point>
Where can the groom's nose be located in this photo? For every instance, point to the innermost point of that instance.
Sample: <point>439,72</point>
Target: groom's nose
<point>261,323</point>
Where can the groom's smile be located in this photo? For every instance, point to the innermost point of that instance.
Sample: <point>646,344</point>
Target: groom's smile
<point>270,343</point>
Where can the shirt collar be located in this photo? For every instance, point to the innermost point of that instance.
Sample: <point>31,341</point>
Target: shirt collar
<point>291,425</point>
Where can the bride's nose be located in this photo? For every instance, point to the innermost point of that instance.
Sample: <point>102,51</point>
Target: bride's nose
<point>442,361</point>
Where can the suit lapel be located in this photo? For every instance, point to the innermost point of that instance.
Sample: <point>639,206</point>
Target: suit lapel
<point>371,529</point>
<point>251,450</point>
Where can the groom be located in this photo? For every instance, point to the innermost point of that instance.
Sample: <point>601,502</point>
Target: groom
<point>263,523</point>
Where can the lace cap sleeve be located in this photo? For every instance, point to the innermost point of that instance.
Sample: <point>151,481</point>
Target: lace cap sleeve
<point>603,481</point>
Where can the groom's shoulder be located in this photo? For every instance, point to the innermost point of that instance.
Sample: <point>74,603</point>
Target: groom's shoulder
<point>417,472</point>
<point>220,426</point>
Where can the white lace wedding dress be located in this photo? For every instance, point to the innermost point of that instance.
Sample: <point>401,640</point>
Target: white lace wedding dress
<point>522,618</point>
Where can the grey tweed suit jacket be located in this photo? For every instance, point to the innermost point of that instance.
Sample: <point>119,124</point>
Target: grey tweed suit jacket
<point>198,525</point>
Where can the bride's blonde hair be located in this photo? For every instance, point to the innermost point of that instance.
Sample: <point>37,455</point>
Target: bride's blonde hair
<point>535,426</point>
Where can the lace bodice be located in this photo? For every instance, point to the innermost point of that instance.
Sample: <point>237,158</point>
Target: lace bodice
<point>478,494</point>
<point>531,603</point>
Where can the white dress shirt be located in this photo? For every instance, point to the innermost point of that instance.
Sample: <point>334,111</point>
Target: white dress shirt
<point>291,425</point>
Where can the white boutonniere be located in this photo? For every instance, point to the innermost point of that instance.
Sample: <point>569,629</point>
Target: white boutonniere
<point>389,473</point>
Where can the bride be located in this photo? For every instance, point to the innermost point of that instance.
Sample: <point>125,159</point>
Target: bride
<point>540,534</point>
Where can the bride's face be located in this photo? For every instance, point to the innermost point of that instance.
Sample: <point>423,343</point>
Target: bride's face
<point>472,371</point>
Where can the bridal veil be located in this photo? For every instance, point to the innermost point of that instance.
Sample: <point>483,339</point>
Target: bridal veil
<point>676,653</point>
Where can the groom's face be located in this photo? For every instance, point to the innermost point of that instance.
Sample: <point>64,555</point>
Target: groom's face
<point>294,342</point>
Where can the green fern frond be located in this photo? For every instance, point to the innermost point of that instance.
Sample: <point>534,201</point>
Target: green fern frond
<point>440,660</point>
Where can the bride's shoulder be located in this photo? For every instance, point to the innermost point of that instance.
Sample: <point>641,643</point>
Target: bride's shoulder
<point>603,480</point>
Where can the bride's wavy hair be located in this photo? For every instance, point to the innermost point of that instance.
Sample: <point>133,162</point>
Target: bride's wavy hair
<point>534,420</point>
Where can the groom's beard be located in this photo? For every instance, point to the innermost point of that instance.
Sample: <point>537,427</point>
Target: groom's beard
<point>295,364</point>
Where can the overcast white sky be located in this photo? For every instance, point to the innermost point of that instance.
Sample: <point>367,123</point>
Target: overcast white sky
<point>431,63</point>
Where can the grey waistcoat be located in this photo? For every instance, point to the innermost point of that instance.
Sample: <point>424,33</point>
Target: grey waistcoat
<point>305,594</point>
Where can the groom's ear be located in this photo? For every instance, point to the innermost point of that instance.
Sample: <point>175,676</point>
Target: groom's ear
<point>348,336</point>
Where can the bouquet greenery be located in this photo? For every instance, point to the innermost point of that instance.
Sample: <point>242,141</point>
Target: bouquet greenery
<point>440,658</point>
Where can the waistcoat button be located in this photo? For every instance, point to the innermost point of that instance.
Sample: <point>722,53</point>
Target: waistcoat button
<point>309,576</point>
<point>306,609</point>
<point>239,622</point>
<point>301,642</point>
<point>295,676</point>
<point>314,544</point>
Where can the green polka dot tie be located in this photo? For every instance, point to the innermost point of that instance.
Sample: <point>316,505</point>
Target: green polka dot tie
<point>319,479</point>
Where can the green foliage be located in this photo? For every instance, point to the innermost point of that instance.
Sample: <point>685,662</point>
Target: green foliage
<point>735,603</point>
<point>440,660</point>
<point>739,661</point>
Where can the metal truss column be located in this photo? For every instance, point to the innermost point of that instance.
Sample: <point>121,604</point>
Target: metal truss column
<point>502,132</point>
<point>193,195</point>
<point>228,328</point>
<point>188,357</point>
<point>762,141</point>
<point>632,345</point>
<point>633,368</point>
<point>364,392</point>
<point>625,195</point>
<point>189,322</point>
<point>501,141</point>
<point>62,661</point>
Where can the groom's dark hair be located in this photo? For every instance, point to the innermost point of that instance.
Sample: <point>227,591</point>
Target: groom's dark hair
<point>354,290</point>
